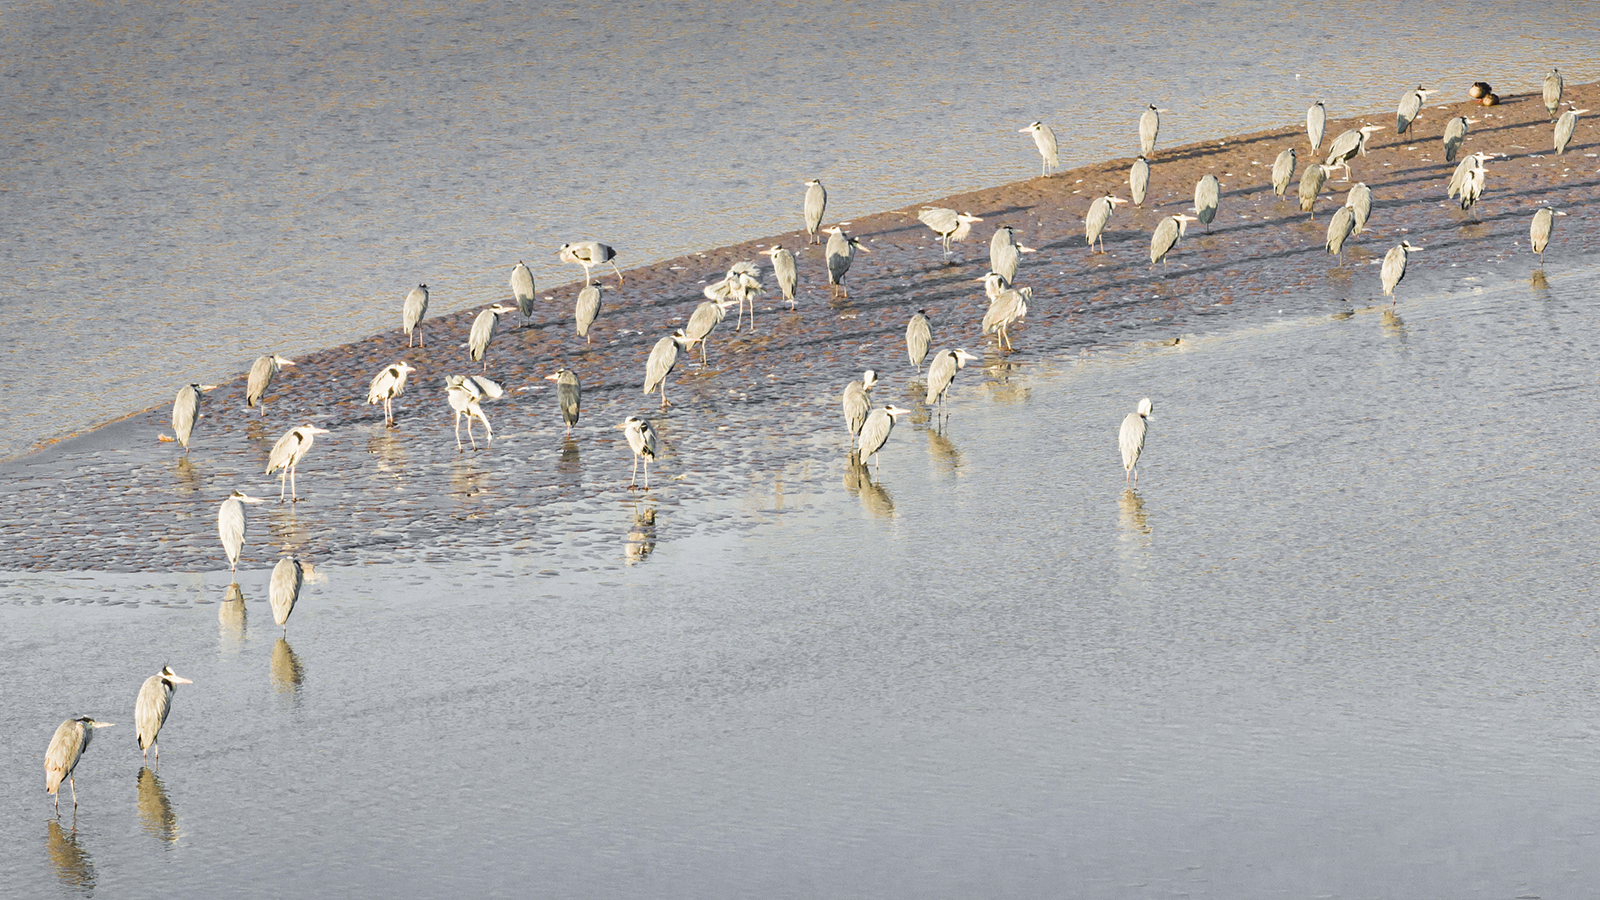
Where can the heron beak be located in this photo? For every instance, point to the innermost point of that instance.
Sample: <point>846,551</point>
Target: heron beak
<point>1557,212</point>
<point>178,679</point>
<point>1024,130</point>
<point>249,499</point>
<point>551,377</point>
<point>285,362</point>
<point>102,725</point>
<point>316,430</point>
<point>208,387</point>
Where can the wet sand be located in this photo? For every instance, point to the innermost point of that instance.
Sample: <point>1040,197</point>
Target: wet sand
<point>116,499</point>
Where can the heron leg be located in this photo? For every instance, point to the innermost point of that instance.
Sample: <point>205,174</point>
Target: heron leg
<point>618,271</point>
<point>458,430</point>
<point>283,481</point>
<point>74,782</point>
<point>488,431</point>
<point>647,474</point>
<point>635,477</point>
<point>294,495</point>
<point>664,405</point>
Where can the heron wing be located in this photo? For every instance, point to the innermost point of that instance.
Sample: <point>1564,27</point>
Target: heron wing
<point>66,747</point>
<point>662,358</point>
<point>184,408</point>
<point>1131,439</point>
<point>284,588</point>
<point>150,710</point>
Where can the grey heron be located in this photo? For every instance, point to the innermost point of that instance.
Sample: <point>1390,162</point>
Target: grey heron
<point>522,291</point>
<point>875,433</point>
<point>569,395</point>
<point>1207,195</point>
<point>816,203</point>
<point>483,328</point>
<point>783,270</point>
<point>587,309</point>
<point>841,253</point>
<point>1553,84</point>
<point>705,318</point>
<point>1394,267</point>
<point>948,224</point>
<point>590,254</point>
<point>1166,236</point>
<point>71,739</point>
<point>1005,252</point>
<point>1149,127</point>
<point>1283,171</point>
<point>994,284</point>
<point>1473,161</point>
<point>1410,106</point>
<point>466,395</point>
<point>663,357</point>
<point>284,590</point>
<point>642,441</point>
<point>1564,128</point>
<point>1045,140</point>
<point>1316,124</point>
<point>1346,146</point>
<point>1539,232</point>
<point>1130,438</point>
<point>1359,202</point>
<point>1455,131</point>
<point>1006,310</point>
<point>1472,189</point>
<point>185,410</point>
<point>741,284</point>
<point>919,334</point>
<point>151,707</point>
<point>1094,224</point>
<point>262,371</point>
<point>1139,180</point>
<point>230,525</point>
<point>387,385</point>
<point>857,402</point>
<point>287,453</point>
<point>1340,227</point>
<point>412,311</point>
<point>942,371</point>
<point>1311,182</point>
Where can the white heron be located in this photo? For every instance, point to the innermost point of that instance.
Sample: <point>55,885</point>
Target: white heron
<point>642,441</point>
<point>1130,438</point>
<point>1045,140</point>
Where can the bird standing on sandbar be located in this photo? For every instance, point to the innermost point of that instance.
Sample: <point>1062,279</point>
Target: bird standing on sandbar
<point>1316,124</point>
<point>1283,171</point>
<point>185,410</point>
<point>1564,128</point>
<point>483,328</point>
<point>586,309</point>
<point>663,357</point>
<point>841,253</point>
<point>387,385</point>
<point>522,291</point>
<point>1094,223</point>
<point>590,254</point>
<point>1139,180</point>
<point>1005,253</point>
<point>816,203</point>
<point>262,371</point>
<point>466,395</point>
<point>919,334</point>
<point>783,271</point>
<point>1207,196</point>
<point>948,224</point>
<point>1166,236</point>
<point>1045,140</point>
<point>1410,107</point>
<point>412,311</point>
<point>1311,182</point>
<point>1347,146</point>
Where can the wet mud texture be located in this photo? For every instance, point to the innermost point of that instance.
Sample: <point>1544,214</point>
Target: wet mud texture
<point>767,403</point>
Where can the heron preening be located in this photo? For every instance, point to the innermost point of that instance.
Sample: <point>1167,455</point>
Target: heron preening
<point>262,371</point>
<point>1130,438</point>
<point>941,372</point>
<point>71,739</point>
<point>949,225</point>
<point>1472,188</point>
<point>1139,180</point>
<point>284,590</point>
<point>1394,267</point>
<point>1045,140</point>
<point>816,203</point>
<point>586,309</point>
<point>387,385</point>
<point>841,252</point>
<point>1316,124</point>
<point>994,284</point>
<point>1166,236</point>
<point>705,318</point>
<point>590,254</point>
<point>152,706</point>
<point>919,334</point>
<point>663,357</point>
<point>569,395</point>
<point>1347,146</point>
<point>185,410</point>
<point>783,271</point>
<point>1455,131</point>
<point>875,433</point>
<point>1094,224</point>
<point>1463,169</point>
<point>1410,107</point>
<point>1005,253</point>
<point>287,453</point>
<point>1553,84</point>
<point>1283,171</point>
<point>1564,128</point>
<point>1006,310</point>
<point>1207,195</point>
<point>230,525</point>
<point>483,328</point>
<point>412,311</point>
<point>522,291</point>
<point>857,402</point>
<point>466,395</point>
<point>1340,227</point>
<point>642,441</point>
<point>1149,127</point>
<point>1359,202</point>
<point>1539,232</point>
<point>1311,182</point>
<point>741,284</point>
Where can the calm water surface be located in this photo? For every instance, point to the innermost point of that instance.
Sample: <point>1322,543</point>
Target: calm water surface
<point>1339,643</point>
<point>186,187</point>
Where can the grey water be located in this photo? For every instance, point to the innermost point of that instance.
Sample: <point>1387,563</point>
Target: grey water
<point>185,187</point>
<point>1340,643</point>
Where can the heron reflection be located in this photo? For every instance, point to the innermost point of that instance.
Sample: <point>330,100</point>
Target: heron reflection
<point>385,444</point>
<point>231,617</point>
<point>1394,325</point>
<point>944,454</point>
<point>466,480</point>
<point>287,672</point>
<point>999,385</point>
<point>874,497</point>
<point>155,810</point>
<point>642,537</point>
<point>1540,283</point>
<point>569,466</point>
<point>186,475</point>
<point>1133,519</point>
<point>73,867</point>
<point>286,528</point>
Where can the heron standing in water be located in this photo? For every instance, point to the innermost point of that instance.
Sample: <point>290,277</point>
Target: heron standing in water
<point>71,739</point>
<point>1005,253</point>
<point>857,402</point>
<point>875,433</point>
<point>284,590</point>
<point>642,441</point>
<point>569,395</point>
<point>483,328</point>
<point>1094,224</point>
<point>1166,236</point>
<point>783,270</point>
<point>841,253</point>
<point>230,526</point>
<point>1045,140</point>
<point>1394,267</point>
<point>185,410</point>
<point>941,372</point>
<point>1539,233</point>
<point>522,291</point>
<point>262,371</point>
<point>387,385</point>
<point>151,707</point>
<point>1130,438</point>
<point>466,394</point>
<point>740,285</point>
<point>919,334</point>
<point>948,224</point>
<point>1006,310</point>
<point>1339,230</point>
<point>816,203</point>
<point>663,357</point>
<point>1359,202</point>
<point>590,254</point>
<point>287,453</point>
<point>705,318</point>
<point>412,311</point>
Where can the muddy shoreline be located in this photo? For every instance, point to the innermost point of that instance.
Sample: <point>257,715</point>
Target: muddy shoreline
<point>116,499</point>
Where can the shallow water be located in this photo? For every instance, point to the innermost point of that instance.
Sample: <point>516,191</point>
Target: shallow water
<point>1339,643</point>
<point>189,187</point>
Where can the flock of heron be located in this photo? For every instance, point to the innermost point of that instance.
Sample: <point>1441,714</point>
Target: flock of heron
<point>870,426</point>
